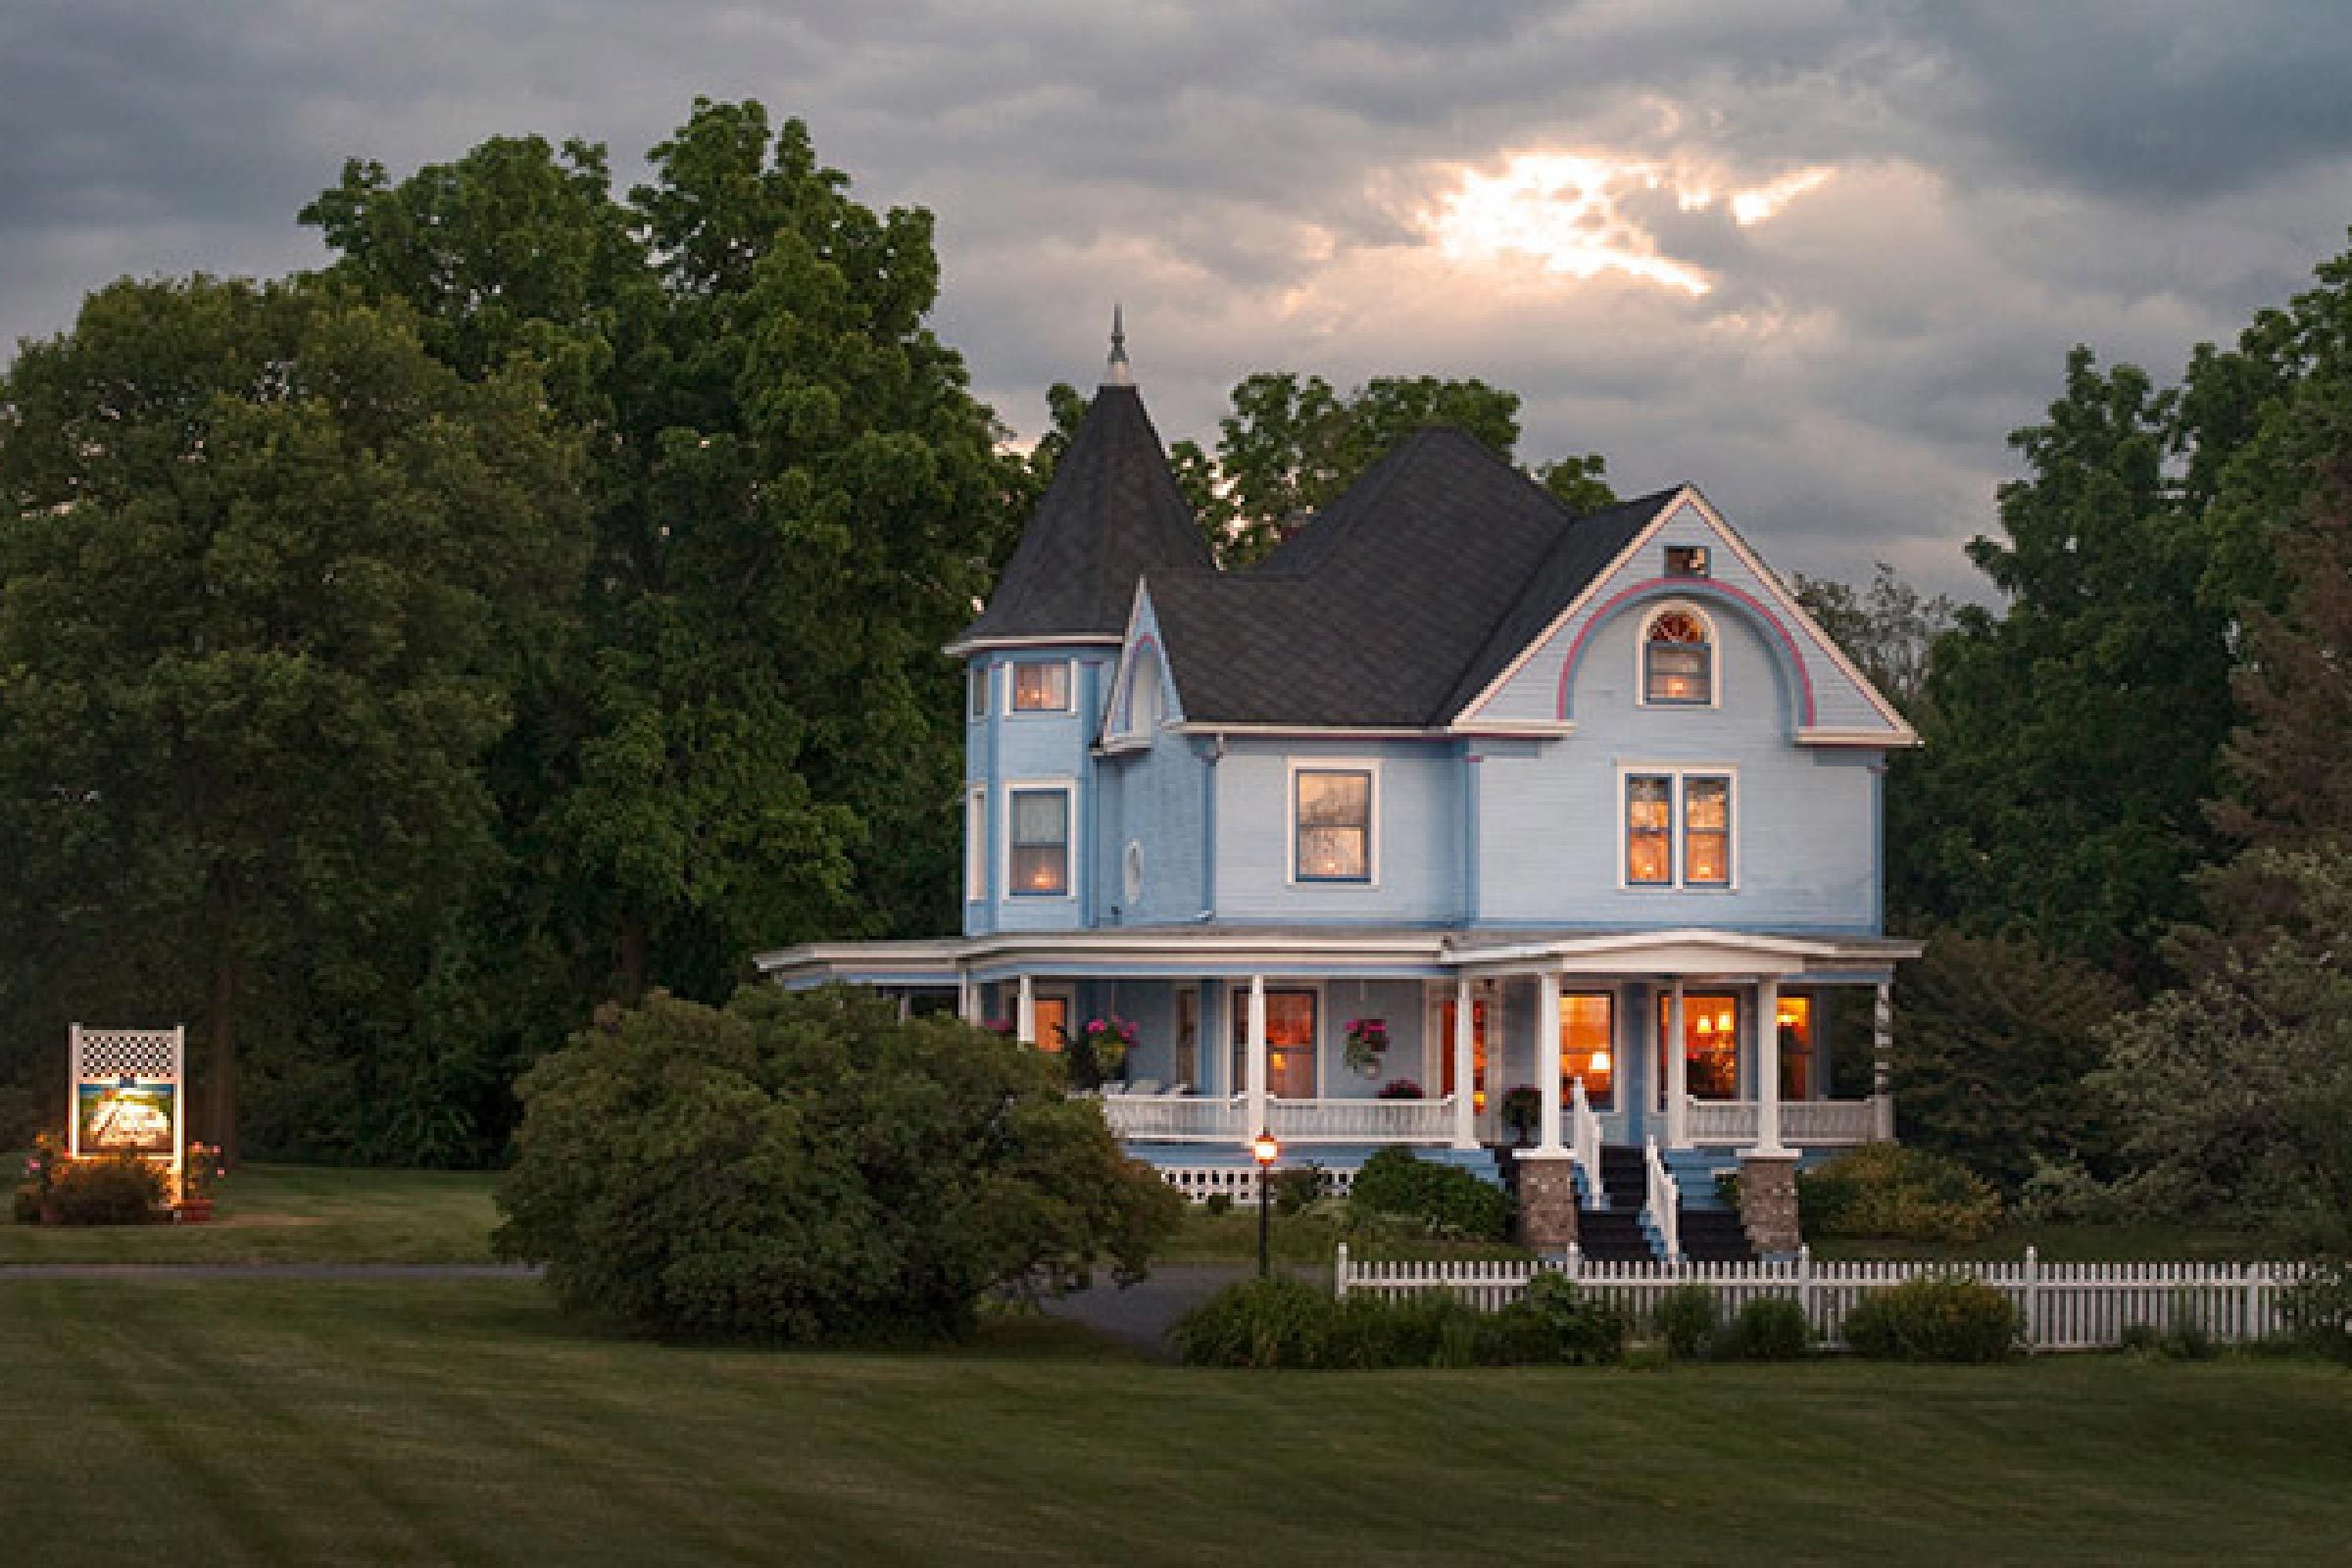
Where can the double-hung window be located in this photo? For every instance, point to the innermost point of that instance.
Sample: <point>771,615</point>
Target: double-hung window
<point>1041,688</point>
<point>1678,659</point>
<point>976,843</point>
<point>1040,852</point>
<point>1678,829</point>
<point>1333,816</point>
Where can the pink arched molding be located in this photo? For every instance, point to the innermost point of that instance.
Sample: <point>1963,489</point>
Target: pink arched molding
<point>1692,588</point>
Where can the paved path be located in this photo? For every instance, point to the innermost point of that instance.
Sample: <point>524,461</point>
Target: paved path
<point>1142,1314</point>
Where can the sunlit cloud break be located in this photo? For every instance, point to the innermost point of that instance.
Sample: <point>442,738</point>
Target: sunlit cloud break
<point>1563,210</point>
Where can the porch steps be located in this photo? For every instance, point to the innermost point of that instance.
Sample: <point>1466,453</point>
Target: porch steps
<point>1709,1230</point>
<point>1615,1234</point>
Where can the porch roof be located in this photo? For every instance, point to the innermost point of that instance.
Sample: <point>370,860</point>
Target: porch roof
<point>1213,951</point>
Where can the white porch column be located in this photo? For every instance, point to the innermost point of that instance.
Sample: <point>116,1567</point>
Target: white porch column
<point>1678,1074</point>
<point>1768,1068</point>
<point>1882,1064</point>
<point>1465,1067</point>
<point>1257,1056</point>
<point>1548,1057</point>
<point>1024,1014</point>
<point>967,998</point>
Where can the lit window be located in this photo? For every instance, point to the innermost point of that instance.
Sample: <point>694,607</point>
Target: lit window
<point>1587,1030</point>
<point>1050,1016</point>
<point>1655,805</point>
<point>976,680</point>
<point>1795,1024</point>
<point>976,843</point>
<point>1678,658</point>
<point>1710,1045</point>
<point>1041,843</point>
<point>1041,688</point>
<point>1335,826</point>
<point>1686,560</point>
<point>1290,1043</point>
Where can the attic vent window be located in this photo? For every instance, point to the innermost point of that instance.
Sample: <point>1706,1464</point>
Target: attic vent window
<point>1686,560</point>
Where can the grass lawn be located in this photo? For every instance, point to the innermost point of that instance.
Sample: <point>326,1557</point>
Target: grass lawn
<point>292,1214</point>
<point>465,1422</point>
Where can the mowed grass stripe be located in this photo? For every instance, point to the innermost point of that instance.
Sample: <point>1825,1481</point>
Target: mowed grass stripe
<point>467,1422</point>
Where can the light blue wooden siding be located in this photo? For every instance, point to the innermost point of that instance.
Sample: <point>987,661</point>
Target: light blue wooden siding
<point>1154,800</point>
<point>1419,834</point>
<point>1011,751</point>
<point>1805,854</point>
<point>1732,592</point>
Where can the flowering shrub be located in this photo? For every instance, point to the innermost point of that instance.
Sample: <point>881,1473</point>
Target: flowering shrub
<point>107,1190</point>
<point>1366,1039</point>
<point>199,1170</point>
<point>1401,1089</point>
<point>41,1168</point>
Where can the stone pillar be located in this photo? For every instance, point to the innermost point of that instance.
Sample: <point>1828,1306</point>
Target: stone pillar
<point>1546,1201</point>
<point>1678,1074</point>
<point>1024,1014</point>
<point>1257,1060</point>
<point>1768,1203</point>
<point>1882,1064</point>
<point>1548,1057</point>
<point>1768,1068</point>
<point>1465,1066</point>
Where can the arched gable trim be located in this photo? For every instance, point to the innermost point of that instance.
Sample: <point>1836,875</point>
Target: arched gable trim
<point>1132,666</point>
<point>1689,588</point>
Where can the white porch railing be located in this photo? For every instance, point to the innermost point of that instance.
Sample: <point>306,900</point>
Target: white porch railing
<point>1803,1122</point>
<point>1663,1206</point>
<point>2064,1306</point>
<point>1199,1118</point>
<point>1584,1141</point>
<point>1347,1121</point>
<point>1200,1183</point>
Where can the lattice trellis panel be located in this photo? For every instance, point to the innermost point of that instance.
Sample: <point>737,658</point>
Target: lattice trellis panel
<point>127,1054</point>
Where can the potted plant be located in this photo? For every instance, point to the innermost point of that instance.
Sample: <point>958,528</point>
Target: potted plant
<point>1366,1040</point>
<point>1108,1040</point>
<point>1522,1110</point>
<point>199,1169</point>
<point>1400,1089</point>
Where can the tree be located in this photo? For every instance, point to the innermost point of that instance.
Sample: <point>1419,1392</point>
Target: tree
<point>2072,741</point>
<point>1889,629</point>
<point>797,501</point>
<point>1292,445</point>
<point>807,1167</point>
<point>270,570</point>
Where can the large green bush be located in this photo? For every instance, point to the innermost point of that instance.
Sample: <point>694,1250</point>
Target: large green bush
<point>1687,1317</point>
<point>1944,1318</point>
<point>1770,1328</point>
<point>810,1167</point>
<point>1889,1192</point>
<point>1444,1199</point>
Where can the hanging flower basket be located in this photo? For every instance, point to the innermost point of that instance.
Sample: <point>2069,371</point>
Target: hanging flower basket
<point>1366,1040</point>
<point>1108,1040</point>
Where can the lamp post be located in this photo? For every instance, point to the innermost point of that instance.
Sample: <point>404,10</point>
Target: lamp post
<point>1266,1150</point>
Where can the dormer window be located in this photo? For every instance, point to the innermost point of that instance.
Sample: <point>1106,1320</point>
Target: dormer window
<point>1678,658</point>
<point>1039,688</point>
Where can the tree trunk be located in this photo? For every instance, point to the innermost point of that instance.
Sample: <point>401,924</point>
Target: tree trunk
<point>220,1073</point>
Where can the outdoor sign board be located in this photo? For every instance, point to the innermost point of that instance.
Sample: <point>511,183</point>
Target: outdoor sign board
<point>128,1092</point>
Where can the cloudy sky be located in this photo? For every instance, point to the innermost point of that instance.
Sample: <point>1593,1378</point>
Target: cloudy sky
<point>1818,256</point>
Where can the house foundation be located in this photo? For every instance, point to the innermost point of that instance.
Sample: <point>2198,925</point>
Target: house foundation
<point>1546,1203</point>
<point>1768,1203</point>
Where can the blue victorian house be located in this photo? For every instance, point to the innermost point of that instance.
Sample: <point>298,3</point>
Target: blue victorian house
<point>1462,821</point>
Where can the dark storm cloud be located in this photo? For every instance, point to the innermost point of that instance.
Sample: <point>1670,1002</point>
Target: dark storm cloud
<point>1254,178</point>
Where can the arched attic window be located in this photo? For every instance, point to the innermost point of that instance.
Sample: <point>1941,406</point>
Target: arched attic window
<point>1145,709</point>
<point>1678,658</point>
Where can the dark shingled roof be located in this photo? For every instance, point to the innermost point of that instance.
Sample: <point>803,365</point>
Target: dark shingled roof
<point>1112,513</point>
<point>1399,604</point>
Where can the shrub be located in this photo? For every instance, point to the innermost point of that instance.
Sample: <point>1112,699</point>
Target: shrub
<point>1686,1319</point>
<point>2320,1309</point>
<point>1296,1188</point>
<point>1261,1323</point>
<point>107,1190</point>
<point>806,1167</point>
<point>1219,1203</point>
<point>1554,1321</point>
<point>1937,1318</point>
<point>1400,1089</point>
<point>1444,1199</point>
<point>1770,1328</point>
<point>1886,1191</point>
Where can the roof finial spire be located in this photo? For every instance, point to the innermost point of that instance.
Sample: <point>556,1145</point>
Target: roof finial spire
<point>1117,373</point>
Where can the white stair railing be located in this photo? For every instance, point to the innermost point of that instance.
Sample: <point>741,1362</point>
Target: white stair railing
<point>1583,1142</point>
<point>1662,1206</point>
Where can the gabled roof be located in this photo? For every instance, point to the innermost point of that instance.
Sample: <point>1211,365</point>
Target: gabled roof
<point>1112,513</point>
<point>1395,606</point>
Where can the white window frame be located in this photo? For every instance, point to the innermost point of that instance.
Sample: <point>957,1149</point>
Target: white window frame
<point>1290,812</point>
<point>1679,773</point>
<point>1012,682</point>
<point>1022,786</point>
<point>975,846</point>
<point>1714,646</point>
<point>977,698</point>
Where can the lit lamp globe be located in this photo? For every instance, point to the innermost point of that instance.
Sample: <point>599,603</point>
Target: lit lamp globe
<point>1265,1150</point>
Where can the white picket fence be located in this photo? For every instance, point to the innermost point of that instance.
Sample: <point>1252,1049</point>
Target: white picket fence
<point>2065,1307</point>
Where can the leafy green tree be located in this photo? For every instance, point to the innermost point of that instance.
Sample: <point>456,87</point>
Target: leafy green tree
<point>271,571</point>
<point>807,1167</point>
<point>797,501</point>
<point>1888,628</point>
<point>2072,740</point>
